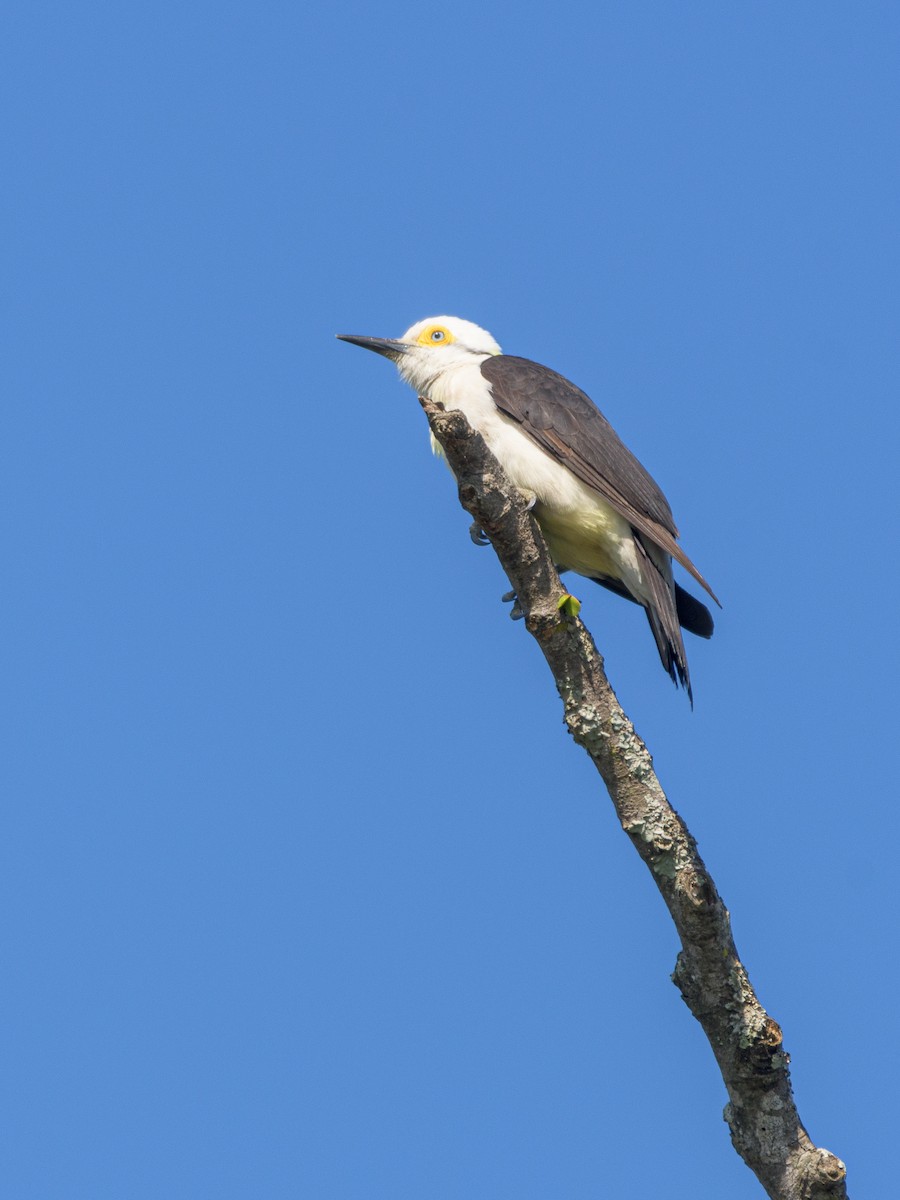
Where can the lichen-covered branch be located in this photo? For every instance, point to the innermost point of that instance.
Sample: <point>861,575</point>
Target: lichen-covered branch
<point>765,1127</point>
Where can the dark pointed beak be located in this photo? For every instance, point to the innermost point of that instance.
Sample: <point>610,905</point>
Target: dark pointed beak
<point>389,347</point>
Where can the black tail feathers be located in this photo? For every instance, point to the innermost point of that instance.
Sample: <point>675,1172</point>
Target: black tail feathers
<point>693,615</point>
<point>689,613</point>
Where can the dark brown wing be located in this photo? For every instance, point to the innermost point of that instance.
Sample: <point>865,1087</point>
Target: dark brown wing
<point>566,423</point>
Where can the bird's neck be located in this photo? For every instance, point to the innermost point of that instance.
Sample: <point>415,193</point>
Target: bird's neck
<point>438,384</point>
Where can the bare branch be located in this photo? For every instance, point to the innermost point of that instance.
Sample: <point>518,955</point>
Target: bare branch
<point>765,1127</point>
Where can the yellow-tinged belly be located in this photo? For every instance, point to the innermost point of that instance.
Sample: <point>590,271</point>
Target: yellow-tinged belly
<point>591,541</point>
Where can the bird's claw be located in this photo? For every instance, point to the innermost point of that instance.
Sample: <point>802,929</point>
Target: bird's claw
<point>516,613</point>
<point>477,534</point>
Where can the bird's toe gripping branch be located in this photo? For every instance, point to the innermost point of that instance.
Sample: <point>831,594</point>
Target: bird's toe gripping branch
<point>478,536</point>
<point>516,613</point>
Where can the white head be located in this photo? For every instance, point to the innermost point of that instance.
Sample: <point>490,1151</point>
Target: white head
<point>430,347</point>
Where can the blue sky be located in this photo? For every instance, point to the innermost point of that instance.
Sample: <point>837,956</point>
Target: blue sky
<point>306,890</point>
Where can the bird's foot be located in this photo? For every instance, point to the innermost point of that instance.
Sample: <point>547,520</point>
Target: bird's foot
<point>477,534</point>
<point>516,613</point>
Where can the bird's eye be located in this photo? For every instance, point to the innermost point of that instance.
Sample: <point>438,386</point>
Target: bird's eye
<point>435,335</point>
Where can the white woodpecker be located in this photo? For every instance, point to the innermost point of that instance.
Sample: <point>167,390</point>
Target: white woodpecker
<point>601,513</point>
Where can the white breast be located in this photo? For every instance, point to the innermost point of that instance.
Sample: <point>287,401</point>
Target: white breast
<point>584,532</point>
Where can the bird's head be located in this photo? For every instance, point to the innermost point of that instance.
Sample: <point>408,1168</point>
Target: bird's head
<point>430,347</point>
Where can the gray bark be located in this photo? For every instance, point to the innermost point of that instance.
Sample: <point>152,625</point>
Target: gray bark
<point>765,1126</point>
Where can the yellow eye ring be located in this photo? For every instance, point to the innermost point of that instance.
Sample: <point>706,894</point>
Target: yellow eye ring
<point>435,335</point>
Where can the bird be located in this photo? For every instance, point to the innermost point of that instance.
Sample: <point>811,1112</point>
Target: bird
<point>601,513</point>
